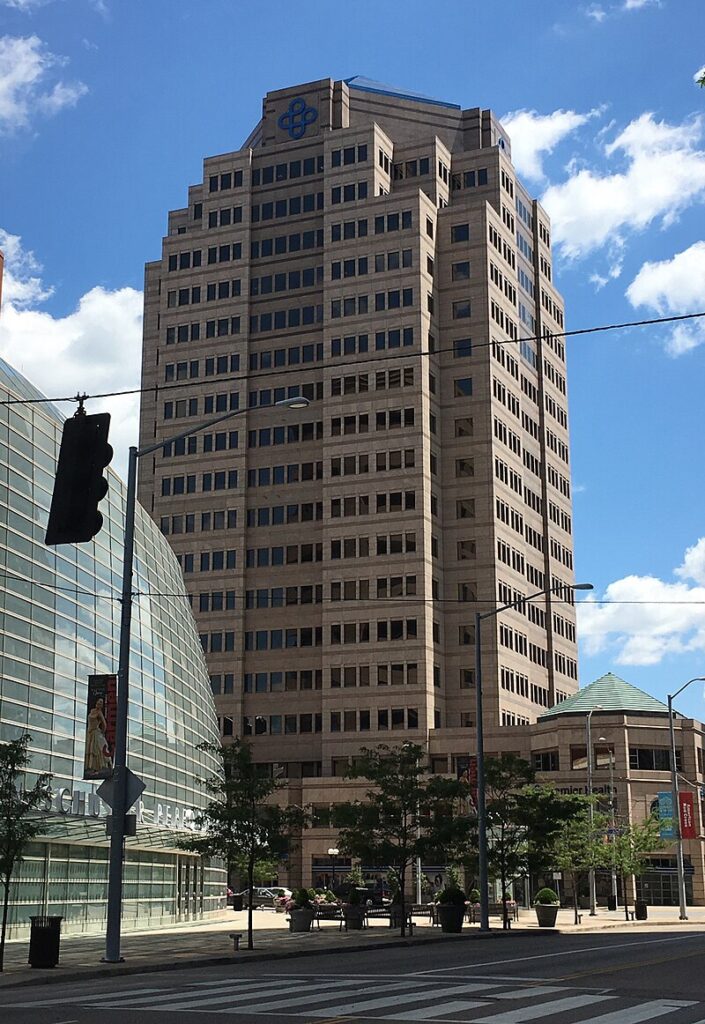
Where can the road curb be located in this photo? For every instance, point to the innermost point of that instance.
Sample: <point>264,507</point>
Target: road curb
<point>123,970</point>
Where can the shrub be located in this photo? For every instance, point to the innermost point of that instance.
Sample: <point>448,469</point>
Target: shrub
<point>451,895</point>
<point>546,896</point>
<point>301,898</point>
<point>474,896</point>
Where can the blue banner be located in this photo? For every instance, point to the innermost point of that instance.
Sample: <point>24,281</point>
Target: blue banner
<point>665,813</point>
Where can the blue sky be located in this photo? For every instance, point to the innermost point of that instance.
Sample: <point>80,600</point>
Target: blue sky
<point>107,108</point>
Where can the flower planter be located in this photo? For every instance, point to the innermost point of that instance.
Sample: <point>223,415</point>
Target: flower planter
<point>300,919</point>
<point>451,916</point>
<point>354,917</point>
<point>546,914</point>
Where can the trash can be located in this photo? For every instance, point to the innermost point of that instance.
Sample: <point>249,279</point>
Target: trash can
<point>611,902</point>
<point>44,941</point>
<point>237,901</point>
<point>640,910</point>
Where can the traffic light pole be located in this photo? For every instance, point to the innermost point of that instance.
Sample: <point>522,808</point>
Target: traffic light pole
<point>117,834</point>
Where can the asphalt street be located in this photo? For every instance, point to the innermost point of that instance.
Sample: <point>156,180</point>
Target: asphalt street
<point>562,979</point>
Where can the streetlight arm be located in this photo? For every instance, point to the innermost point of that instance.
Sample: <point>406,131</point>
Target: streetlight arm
<point>696,679</point>
<point>539,593</point>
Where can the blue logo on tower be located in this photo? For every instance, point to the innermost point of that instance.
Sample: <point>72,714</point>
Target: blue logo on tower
<point>297,118</point>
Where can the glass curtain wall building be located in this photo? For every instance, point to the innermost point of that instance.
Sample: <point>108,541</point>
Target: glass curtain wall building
<point>60,615</point>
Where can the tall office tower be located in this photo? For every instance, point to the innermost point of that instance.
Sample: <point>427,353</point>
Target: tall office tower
<point>373,251</point>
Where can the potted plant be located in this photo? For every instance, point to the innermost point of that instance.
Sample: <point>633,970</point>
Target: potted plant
<point>354,910</point>
<point>451,904</point>
<point>301,911</point>
<point>546,906</point>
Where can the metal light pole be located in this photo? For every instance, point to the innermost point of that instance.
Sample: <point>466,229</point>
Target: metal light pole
<point>480,753</point>
<point>117,835</point>
<point>588,743</point>
<point>602,739</point>
<point>333,852</point>
<point>683,915</point>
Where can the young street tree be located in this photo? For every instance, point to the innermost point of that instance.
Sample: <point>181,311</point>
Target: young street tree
<point>18,821</point>
<point>405,814</point>
<point>239,823</point>
<point>629,849</point>
<point>580,846</point>
<point>523,820</point>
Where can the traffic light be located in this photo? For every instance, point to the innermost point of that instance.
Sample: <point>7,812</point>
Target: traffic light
<point>79,483</point>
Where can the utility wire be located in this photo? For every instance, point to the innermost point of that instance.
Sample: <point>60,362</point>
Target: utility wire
<point>302,368</point>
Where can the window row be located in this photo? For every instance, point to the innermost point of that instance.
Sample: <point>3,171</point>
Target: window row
<point>359,504</point>
<point>387,718</point>
<point>309,277</point>
<point>275,682</point>
<point>278,639</point>
<point>280,515</point>
<point>351,465</point>
<point>293,433</point>
<point>280,319</point>
<point>280,245</point>
<point>276,725</point>
<point>270,396</point>
<point>386,587</point>
<point>220,481</point>
<point>468,179</point>
<point>286,171</point>
<point>266,476</point>
<point>226,180</point>
<point>359,267</point>
<point>212,366</point>
<point>292,356</point>
<point>219,520</point>
<point>217,643</point>
<point>289,207</point>
<point>291,554</point>
<point>385,419</point>
<point>208,561</point>
<point>411,169</point>
<point>348,193</point>
<point>356,344</point>
<point>184,260</point>
<point>348,155</point>
<point>225,216</point>
<point>383,380</point>
<point>281,597</point>
<point>359,547</point>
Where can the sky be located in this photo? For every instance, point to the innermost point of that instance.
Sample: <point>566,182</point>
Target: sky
<point>108,107</point>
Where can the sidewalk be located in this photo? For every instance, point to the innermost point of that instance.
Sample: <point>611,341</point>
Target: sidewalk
<point>208,944</point>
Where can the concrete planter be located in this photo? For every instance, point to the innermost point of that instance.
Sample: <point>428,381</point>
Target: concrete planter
<point>354,917</point>
<point>546,914</point>
<point>451,917</point>
<point>300,919</point>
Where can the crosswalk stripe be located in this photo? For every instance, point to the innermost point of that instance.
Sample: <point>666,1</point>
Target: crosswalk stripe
<point>428,1013</point>
<point>636,1014</point>
<point>355,1008</point>
<point>257,1007</point>
<point>67,999</point>
<point>544,1009</point>
<point>528,991</point>
<point>203,996</point>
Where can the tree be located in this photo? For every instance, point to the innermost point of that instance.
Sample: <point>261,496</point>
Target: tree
<point>19,823</point>
<point>239,823</point>
<point>505,778</point>
<point>406,814</point>
<point>630,848</point>
<point>580,846</point>
<point>699,78</point>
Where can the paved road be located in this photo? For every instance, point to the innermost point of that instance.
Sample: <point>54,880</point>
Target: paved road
<point>569,979</point>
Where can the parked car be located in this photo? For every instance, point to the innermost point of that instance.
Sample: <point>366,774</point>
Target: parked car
<point>264,896</point>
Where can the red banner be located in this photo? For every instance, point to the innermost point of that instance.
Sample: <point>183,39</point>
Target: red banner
<point>100,727</point>
<point>687,815</point>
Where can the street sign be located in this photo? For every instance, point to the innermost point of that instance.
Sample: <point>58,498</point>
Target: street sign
<point>134,789</point>
<point>557,875</point>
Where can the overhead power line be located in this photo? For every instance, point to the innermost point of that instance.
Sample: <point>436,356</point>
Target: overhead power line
<point>376,357</point>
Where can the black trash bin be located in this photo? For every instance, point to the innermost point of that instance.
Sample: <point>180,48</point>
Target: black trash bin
<point>237,901</point>
<point>611,902</point>
<point>44,941</point>
<point>640,910</point>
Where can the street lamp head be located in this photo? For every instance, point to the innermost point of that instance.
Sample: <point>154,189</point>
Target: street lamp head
<point>333,852</point>
<point>299,402</point>
<point>582,586</point>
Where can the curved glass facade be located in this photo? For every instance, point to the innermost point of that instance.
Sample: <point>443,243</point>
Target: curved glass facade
<point>60,614</point>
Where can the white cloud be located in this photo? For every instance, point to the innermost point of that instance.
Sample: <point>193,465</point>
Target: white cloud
<point>664,173</point>
<point>672,287</point>
<point>534,134</point>
<point>24,5</point>
<point>95,348</point>
<point>646,618</point>
<point>596,12</point>
<point>637,5</point>
<point>26,68</point>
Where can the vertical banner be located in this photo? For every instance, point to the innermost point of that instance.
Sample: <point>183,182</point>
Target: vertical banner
<point>466,768</point>
<point>100,727</point>
<point>665,814</point>
<point>687,815</point>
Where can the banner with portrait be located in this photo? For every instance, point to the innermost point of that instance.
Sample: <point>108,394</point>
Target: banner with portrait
<point>466,770</point>
<point>101,715</point>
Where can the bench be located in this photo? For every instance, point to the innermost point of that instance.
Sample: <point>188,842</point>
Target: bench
<point>324,913</point>
<point>235,936</point>
<point>495,910</point>
<point>384,913</point>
